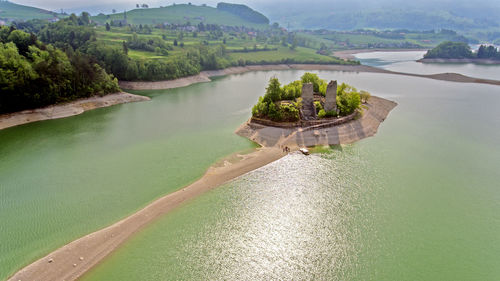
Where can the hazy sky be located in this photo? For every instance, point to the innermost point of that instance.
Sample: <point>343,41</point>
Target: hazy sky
<point>118,4</point>
<point>269,7</point>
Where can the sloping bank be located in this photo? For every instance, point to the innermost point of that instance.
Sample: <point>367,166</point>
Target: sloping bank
<point>74,259</point>
<point>205,76</point>
<point>66,109</point>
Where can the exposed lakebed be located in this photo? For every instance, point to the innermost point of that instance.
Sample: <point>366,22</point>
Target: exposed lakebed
<point>425,186</point>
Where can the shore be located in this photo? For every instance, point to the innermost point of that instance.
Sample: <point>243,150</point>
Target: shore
<point>73,260</point>
<point>349,54</point>
<point>477,61</point>
<point>205,76</point>
<point>66,109</point>
<point>82,105</point>
<point>376,111</point>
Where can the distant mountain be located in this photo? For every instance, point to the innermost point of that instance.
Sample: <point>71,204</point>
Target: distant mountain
<point>11,11</point>
<point>224,14</point>
<point>459,15</point>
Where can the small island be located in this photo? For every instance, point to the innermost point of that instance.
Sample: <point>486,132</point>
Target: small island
<point>311,112</point>
<point>459,52</point>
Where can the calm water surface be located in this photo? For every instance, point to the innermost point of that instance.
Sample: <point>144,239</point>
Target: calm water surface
<point>419,201</point>
<point>406,62</point>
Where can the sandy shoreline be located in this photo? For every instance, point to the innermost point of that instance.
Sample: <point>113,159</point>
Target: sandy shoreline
<point>476,61</point>
<point>205,76</point>
<point>74,259</point>
<point>82,105</point>
<point>66,109</point>
<point>376,111</point>
<point>349,54</point>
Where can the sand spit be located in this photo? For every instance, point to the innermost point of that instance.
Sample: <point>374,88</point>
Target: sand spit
<point>66,109</point>
<point>205,76</point>
<point>377,110</point>
<point>477,61</point>
<point>73,260</point>
<point>349,54</point>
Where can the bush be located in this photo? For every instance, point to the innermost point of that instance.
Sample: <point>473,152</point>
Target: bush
<point>314,79</point>
<point>318,106</point>
<point>289,113</point>
<point>261,109</point>
<point>348,99</point>
<point>325,114</point>
<point>274,112</point>
<point>292,90</point>
<point>365,96</point>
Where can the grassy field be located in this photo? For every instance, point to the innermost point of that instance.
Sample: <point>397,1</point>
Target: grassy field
<point>234,44</point>
<point>284,53</point>
<point>12,11</point>
<point>180,14</point>
<point>374,39</point>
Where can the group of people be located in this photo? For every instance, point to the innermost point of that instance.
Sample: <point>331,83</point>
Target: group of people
<point>286,149</point>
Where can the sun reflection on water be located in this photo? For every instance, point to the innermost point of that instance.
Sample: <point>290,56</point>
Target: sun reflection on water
<point>290,220</point>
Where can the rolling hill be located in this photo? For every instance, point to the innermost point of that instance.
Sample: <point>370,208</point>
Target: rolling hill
<point>226,14</point>
<point>11,11</point>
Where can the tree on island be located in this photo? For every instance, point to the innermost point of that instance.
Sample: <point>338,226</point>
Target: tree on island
<point>459,50</point>
<point>283,103</point>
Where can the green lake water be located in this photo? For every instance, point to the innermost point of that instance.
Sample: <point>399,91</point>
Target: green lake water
<point>406,62</point>
<point>419,201</point>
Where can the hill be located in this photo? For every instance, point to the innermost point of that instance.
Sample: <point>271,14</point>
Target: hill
<point>11,11</point>
<point>465,17</point>
<point>226,14</point>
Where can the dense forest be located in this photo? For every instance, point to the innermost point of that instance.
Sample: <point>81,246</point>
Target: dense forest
<point>35,74</point>
<point>460,50</point>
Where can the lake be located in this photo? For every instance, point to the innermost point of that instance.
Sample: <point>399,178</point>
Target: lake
<point>406,62</point>
<point>418,201</point>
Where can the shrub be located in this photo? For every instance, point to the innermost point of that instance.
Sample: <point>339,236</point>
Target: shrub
<point>261,109</point>
<point>274,112</point>
<point>292,90</point>
<point>365,96</point>
<point>314,79</point>
<point>318,106</point>
<point>289,113</point>
<point>348,99</point>
<point>325,114</point>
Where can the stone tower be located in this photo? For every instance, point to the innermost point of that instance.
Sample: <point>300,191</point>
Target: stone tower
<point>308,108</point>
<point>331,96</point>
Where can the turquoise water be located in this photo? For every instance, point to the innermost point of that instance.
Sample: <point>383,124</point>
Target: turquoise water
<point>406,62</point>
<point>419,201</point>
<point>62,179</point>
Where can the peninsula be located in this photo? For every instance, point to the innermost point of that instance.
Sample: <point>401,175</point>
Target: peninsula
<point>309,112</point>
<point>458,52</point>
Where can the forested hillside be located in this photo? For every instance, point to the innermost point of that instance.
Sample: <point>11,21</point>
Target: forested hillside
<point>34,74</point>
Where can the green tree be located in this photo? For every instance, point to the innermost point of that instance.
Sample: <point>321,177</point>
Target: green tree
<point>273,90</point>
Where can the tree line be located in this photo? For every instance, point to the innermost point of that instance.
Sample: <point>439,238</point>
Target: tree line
<point>35,74</point>
<point>459,50</point>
